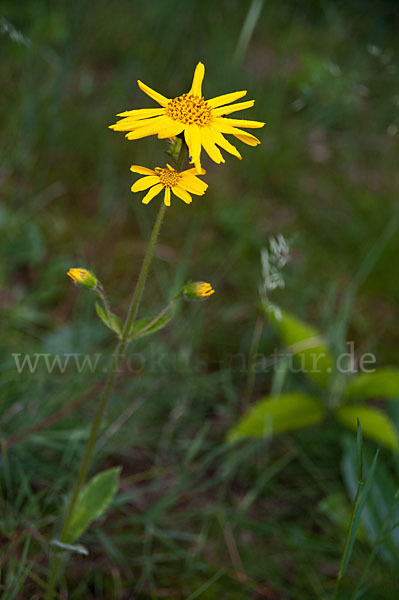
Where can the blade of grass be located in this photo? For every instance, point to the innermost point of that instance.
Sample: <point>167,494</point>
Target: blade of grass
<point>22,572</point>
<point>360,501</point>
<point>206,585</point>
<point>247,30</point>
<point>339,331</point>
<point>250,383</point>
<point>374,549</point>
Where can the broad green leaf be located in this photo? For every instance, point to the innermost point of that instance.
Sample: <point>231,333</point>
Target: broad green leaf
<point>278,414</point>
<point>374,423</point>
<point>381,511</point>
<point>144,327</point>
<point>93,500</point>
<point>114,323</point>
<point>305,343</point>
<point>382,383</point>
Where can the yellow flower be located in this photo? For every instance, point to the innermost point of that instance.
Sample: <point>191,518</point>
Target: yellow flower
<point>83,278</point>
<point>180,183</point>
<point>201,120</point>
<point>198,290</point>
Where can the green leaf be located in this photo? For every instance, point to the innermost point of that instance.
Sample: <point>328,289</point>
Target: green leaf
<point>374,423</point>
<point>93,500</point>
<point>103,315</point>
<point>382,383</point>
<point>274,415</point>
<point>305,343</point>
<point>114,323</point>
<point>144,327</point>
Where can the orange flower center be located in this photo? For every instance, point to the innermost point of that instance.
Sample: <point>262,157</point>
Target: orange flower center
<point>190,110</point>
<point>167,177</point>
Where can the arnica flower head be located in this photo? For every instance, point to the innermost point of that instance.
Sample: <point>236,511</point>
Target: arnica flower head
<point>202,121</point>
<point>198,290</point>
<point>178,182</point>
<point>83,278</point>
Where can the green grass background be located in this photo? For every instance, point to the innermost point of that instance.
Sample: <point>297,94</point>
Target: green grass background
<point>325,80</point>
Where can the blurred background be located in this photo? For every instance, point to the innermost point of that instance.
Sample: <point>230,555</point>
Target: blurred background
<point>193,518</point>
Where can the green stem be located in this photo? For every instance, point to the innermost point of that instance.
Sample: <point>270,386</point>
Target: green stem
<point>134,304</point>
<point>182,154</point>
<point>115,364</point>
<point>119,354</point>
<point>83,470</point>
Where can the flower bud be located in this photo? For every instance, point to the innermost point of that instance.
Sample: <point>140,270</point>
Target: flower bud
<point>174,148</point>
<point>197,290</point>
<point>83,278</point>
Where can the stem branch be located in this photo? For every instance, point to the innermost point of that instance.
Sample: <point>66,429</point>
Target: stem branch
<point>114,369</point>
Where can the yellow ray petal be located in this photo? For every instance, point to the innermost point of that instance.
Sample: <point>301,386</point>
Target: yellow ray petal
<point>132,124</point>
<point>144,183</point>
<point>141,170</point>
<point>227,110</point>
<point>193,140</point>
<point>225,99</point>
<point>162,121</point>
<point>240,123</point>
<point>154,191</point>
<point>196,88</point>
<point>187,137</point>
<point>174,129</point>
<point>152,128</point>
<point>192,184</point>
<point>193,171</point>
<point>221,141</point>
<point>210,147</point>
<point>182,194</point>
<point>247,138</point>
<point>167,196</point>
<point>142,113</point>
<point>153,94</point>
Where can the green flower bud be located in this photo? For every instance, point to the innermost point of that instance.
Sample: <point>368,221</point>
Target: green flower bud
<point>83,278</point>
<point>174,148</point>
<point>198,290</point>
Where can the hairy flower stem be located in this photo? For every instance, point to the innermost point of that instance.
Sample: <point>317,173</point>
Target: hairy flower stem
<point>114,368</point>
<point>101,293</point>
